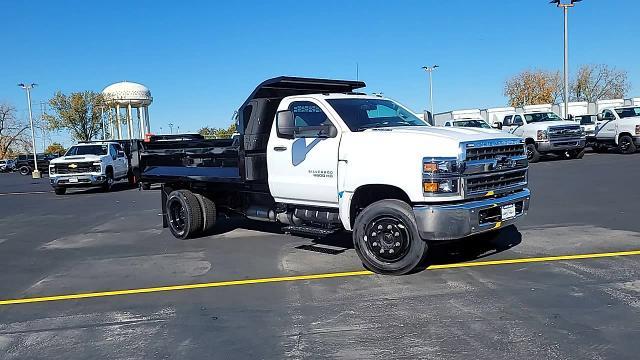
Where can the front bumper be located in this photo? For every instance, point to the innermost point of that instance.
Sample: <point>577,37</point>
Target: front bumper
<point>77,180</point>
<point>560,145</point>
<point>456,221</point>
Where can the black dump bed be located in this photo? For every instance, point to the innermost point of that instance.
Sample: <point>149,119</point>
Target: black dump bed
<point>188,158</point>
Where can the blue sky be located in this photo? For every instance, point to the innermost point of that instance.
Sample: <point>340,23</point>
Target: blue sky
<point>202,58</point>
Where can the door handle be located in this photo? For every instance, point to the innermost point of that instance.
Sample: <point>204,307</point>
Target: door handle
<point>279,148</point>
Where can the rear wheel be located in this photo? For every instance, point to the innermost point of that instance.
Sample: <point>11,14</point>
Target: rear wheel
<point>25,170</point>
<point>532,153</point>
<point>626,145</point>
<point>184,214</point>
<point>386,238</point>
<point>60,190</point>
<point>208,211</point>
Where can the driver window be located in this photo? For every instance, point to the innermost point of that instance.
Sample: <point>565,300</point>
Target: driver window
<point>608,115</point>
<point>517,120</point>
<point>306,113</point>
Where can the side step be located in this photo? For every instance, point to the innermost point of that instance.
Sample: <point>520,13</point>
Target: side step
<point>308,230</point>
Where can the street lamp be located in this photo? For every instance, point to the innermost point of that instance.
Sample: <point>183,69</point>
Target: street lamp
<point>27,87</point>
<point>565,8</point>
<point>170,127</point>
<point>430,69</point>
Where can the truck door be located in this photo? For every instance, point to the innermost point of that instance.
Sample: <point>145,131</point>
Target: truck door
<point>517,127</point>
<point>304,170</point>
<point>607,128</point>
<point>120,161</point>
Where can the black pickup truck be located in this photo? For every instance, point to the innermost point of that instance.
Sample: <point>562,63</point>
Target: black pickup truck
<point>24,163</point>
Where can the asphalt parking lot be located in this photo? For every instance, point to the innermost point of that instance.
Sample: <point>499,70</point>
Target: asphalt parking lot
<point>564,284</point>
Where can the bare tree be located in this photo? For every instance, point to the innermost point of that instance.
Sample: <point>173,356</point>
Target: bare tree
<point>596,82</point>
<point>11,130</point>
<point>532,87</point>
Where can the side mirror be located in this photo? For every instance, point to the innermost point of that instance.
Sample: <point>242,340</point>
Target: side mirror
<point>120,153</point>
<point>600,117</point>
<point>497,125</point>
<point>328,131</point>
<point>285,126</point>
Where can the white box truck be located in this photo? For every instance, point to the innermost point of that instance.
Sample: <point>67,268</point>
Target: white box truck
<point>493,116</point>
<point>461,118</point>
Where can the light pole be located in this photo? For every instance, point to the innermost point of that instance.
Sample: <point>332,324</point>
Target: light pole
<point>430,69</point>
<point>565,8</point>
<point>27,87</point>
<point>170,127</point>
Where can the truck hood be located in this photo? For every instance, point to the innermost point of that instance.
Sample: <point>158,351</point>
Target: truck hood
<point>78,158</point>
<point>547,124</point>
<point>455,134</point>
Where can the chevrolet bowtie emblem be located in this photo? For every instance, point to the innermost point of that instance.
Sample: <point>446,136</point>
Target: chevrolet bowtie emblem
<point>73,166</point>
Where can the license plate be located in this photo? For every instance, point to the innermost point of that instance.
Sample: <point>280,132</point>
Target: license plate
<point>73,180</point>
<point>508,212</point>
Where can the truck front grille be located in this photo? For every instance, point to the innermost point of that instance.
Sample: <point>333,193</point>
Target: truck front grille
<point>494,167</point>
<point>484,183</point>
<point>484,153</point>
<point>76,168</point>
<point>564,132</point>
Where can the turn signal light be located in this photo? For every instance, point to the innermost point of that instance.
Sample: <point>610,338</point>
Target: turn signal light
<point>429,167</point>
<point>430,187</point>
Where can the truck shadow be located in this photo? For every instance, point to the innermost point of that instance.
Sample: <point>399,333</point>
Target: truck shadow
<point>117,187</point>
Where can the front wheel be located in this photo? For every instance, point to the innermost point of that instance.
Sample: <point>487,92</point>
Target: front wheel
<point>386,238</point>
<point>626,145</point>
<point>576,154</point>
<point>532,153</point>
<point>108,183</point>
<point>60,190</point>
<point>25,170</point>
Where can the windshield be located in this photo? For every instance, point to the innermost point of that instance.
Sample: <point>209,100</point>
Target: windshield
<point>540,117</point>
<point>586,119</point>
<point>361,114</point>
<point>628,112</point>
<point>472,123</point>
<point>88,150</point>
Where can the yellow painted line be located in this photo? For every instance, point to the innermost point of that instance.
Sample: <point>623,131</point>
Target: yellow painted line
<point>25,193</point>
<point>307,277</point>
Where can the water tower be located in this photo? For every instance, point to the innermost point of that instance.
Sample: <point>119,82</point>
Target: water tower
<point>126,96</point>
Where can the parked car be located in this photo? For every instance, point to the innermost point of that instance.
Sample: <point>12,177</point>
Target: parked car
<point>89,164</point>
<point>7,165</point>
<point>24,163</point>
<point>546,133</point>
<point>618,127</point>
<point>471,123</point>
<point>318,158</point>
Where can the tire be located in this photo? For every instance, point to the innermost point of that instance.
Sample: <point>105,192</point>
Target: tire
<point>146,186</point>
<point>208,208</point>
<point>25,170</point>
<point>576,154</point>
<point>532,153</point>
<point>184,214</point>
<point>106,187</point>
<point>386,238</point>
<point>60,190</point>
<point>626,145</point>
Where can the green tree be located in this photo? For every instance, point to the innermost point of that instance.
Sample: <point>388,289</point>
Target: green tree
<point>218,133</point>
<point>55,148</point>
<point>78,113</point>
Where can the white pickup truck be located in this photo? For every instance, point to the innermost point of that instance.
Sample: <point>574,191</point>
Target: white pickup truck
<point>546,133</point>
<point>319,158</point>
<point>89,164</point>
<point>618,127</point>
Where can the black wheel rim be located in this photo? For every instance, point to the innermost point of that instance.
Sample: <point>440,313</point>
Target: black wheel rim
<point>387,238</point>
<point>529,153</point>
<point>625,144</point>
<point>177,217</point>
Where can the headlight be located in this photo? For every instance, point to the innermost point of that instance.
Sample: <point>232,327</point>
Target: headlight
<point>637,129</point>
<point>52,169</point>
<point>542,135</point>
<point>440,176</point>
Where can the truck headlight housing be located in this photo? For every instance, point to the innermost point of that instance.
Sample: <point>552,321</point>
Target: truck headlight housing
<point>96,167</point>
<point>542,135</point>
<point>637,129</point>
<point>52,169</point>
<point>440,176</point>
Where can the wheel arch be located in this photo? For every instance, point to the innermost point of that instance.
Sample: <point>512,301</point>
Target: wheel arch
<point>622,134</point>
<point>365,195</point>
